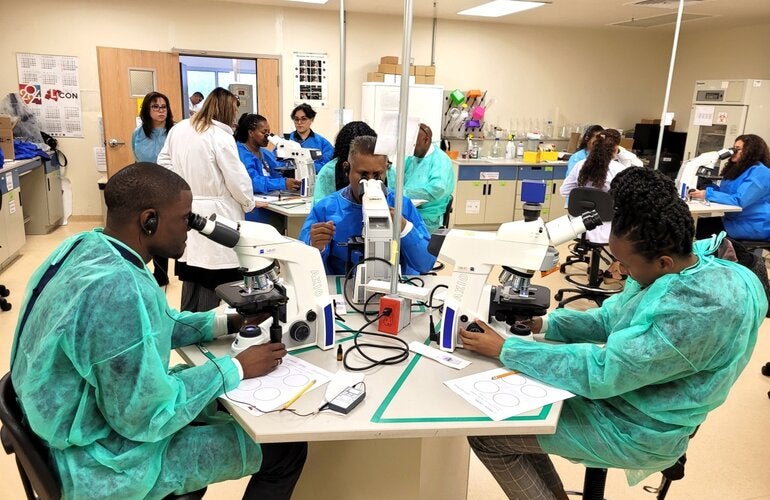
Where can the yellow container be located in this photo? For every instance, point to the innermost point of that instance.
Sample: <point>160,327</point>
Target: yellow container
<point>549,155</point>
<point>531,156</point>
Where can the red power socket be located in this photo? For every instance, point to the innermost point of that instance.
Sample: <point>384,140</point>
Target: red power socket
<point>400,315</point>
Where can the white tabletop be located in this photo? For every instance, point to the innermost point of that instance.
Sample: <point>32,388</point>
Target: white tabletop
<point>702,208</point>
<point>408,400</point>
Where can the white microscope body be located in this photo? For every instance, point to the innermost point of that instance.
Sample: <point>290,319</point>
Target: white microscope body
<point>378,238</point>
<point>299,301</point>
<point>302,160</point>
<point>522,247</point>
<point>704,165</point>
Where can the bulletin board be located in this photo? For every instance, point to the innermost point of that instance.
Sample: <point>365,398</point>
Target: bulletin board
<point>50,88</point>
<point>311,79</point>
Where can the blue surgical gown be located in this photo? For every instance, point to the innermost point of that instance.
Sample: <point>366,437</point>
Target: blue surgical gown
<point>147,148</point>
<point>575,158</point>
<point>264,177</point>
<point>751,192</point>
<point>670,353</point>
<point>92,373</point>
<point>348,222</point>
<point>315,141</point>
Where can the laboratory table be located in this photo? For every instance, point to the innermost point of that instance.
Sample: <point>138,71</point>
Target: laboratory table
<point>406,439</point>
<point>701,208</point>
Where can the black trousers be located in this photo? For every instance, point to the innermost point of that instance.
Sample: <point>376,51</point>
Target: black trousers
<point>282,465</point>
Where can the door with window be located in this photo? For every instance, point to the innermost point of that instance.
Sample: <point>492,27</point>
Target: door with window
<point>125,77</point>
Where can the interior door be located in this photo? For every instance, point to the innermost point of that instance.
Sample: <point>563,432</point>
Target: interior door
<point>125,76</point>
<point>268,93</point>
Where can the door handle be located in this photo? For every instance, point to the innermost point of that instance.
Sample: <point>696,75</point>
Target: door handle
<point>114,143</point>
<point>489,189</point>
<point>484,190</point>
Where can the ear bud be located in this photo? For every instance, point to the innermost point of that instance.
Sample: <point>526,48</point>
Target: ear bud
<point>150,224</point>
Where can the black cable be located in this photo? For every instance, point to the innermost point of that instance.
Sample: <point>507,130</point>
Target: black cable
<point>403,352</point>
<point>348,275</point>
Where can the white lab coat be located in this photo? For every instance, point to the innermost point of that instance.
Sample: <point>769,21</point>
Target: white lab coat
<point>220,184</point>
<point>628,158</point>
<point>600,234</point>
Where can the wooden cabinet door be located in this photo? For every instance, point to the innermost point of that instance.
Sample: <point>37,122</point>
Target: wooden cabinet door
<point>117,69</point>
<point>500,201</point>
<point>470,202</point>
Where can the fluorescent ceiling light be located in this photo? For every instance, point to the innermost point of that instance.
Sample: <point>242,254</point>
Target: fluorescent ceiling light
<point>499,8</point>
<point>310,1</point>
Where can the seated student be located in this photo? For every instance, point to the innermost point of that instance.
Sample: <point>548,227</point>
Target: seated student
<point>746,183</point>
<point>648,365</point>
<point>91,363</point>
<point>428,175</point>
<point>251,136</point>
<point>303,116</point>
<point>338,217</point>
<point>624,156</point>
<point>332,176</point>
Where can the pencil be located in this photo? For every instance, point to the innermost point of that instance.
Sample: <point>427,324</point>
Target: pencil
<point>299,394</point>
<point>503,375</point>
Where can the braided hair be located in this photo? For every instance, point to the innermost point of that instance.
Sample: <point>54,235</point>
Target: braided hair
<point>650,214</point>
<point>594,170</point>
<point>342,148</point>
<point>246,123</point>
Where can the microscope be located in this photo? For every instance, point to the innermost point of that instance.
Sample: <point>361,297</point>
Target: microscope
<point>299,303</point>
<point>701,170</point>
<point>299,159</point>
<point>529,243</point>
<point>377,238</point>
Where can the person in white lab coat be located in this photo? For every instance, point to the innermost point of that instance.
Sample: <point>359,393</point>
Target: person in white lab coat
<point>202,151</point>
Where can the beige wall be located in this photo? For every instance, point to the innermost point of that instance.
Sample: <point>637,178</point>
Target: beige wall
<point>610,76</point>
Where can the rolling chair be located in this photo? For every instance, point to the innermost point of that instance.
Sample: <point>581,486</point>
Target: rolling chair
<point>589,285</point>
<point>444,225</point>
<point>32,456</point>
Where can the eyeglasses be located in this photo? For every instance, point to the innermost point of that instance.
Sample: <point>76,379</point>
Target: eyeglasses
<point>300,119</point>
<point>737,149</point>
<point>157,107</point>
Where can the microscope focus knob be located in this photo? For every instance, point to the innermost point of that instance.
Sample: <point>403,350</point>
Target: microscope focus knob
<point>299,331</point>
<point>311,316</point>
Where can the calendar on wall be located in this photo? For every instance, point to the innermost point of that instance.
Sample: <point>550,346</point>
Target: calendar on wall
<point>310,79</point>
<point>50,88</point>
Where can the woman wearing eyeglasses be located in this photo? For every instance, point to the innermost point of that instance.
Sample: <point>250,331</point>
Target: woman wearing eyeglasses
<point>146,143</point>
<point>746,183</point>
<point>157,120</point>
<point>303,116</point>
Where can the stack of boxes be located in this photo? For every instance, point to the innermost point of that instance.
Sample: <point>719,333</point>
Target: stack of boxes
<point>389,71</point>
<point>6,137</point>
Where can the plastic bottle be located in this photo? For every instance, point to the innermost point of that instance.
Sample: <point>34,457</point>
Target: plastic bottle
<point>496,148</point>
<point>476,150</point>
<point>469,147</point>
<point>520,150</point>
<point>510,148</point>
<point>549,129</point>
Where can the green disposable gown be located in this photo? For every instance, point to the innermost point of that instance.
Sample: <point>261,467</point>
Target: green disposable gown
<point>647,366</point>
<point>325,183</point>
<point>91,369</point>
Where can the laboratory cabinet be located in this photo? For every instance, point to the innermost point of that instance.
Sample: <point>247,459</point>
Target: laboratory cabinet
<point>12,236</point>
<point>42,197</point>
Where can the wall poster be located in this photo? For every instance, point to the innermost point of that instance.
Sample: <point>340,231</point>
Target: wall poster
<point>310,79</point>
<point>50,88</point>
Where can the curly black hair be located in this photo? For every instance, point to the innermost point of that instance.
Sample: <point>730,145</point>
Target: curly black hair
<point>754,151</point>
<point>650,214</point>
<point>597,164</point>
<point>342,148</point>
<point>590,131</point>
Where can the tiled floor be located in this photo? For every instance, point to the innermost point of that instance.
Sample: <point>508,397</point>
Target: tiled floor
<point>729,459</point>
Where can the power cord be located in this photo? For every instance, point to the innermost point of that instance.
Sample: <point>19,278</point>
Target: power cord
<point>402,350</point>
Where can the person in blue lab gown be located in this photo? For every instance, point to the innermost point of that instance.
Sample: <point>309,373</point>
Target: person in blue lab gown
<point>146,142</point>
<point>251,136</point>
<point>428,176</point>
<point>745,183</point>
<point>648,365</point>
<point>303,116</point>
<point>338,217</point>
<point>91,363</point>
<point>332,176</point>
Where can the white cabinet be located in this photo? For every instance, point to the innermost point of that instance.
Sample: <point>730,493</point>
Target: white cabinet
<point>42,198</point>
<point>11,218</point>
<point>425,103</point>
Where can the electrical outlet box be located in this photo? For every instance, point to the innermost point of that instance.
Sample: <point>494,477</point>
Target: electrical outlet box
<point>400,315</point>
<point>347,400</point>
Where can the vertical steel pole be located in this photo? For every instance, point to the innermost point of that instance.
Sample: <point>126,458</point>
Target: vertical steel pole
<point>668,83</point>
<point>343,48</point>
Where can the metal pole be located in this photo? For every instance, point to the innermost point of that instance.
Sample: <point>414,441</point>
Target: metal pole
<point>342,63</point>
<point>433,40</point>
<point>668,83</point>
<point>403,112</point>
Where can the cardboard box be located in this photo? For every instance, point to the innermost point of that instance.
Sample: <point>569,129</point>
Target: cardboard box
<point>388,69</point>
<point>419,79</point>
<point>6,137</point>
<point>419,70</point>
<point>574,140</point>
<point>411,70</point>
<point>389,60</point>
<point>627,142</point>
<point>374,76</point>
<point>430,80</point>
<point>430,71</point>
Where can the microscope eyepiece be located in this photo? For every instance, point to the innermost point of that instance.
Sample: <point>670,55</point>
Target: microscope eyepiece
<point>218,232</point>
<point>591,219</point>
<point>195,221</point>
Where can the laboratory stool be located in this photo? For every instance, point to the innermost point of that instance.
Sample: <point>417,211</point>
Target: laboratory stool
<point>444,225</point>
<point>36,472</point>
<point>595,480</point>
<point>589,285</point>
<point>4,304</point>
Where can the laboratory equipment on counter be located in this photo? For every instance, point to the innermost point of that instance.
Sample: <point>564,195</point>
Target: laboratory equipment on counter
<point>724,109</point>
<point>529,243</point>
<point>701,171</point>
<point>300,302</point>
<point>300,159</point>
<point>377,238</point>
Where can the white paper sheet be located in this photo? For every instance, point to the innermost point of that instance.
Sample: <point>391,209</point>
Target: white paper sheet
<point>505,397</point>
<point>271,391</point>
